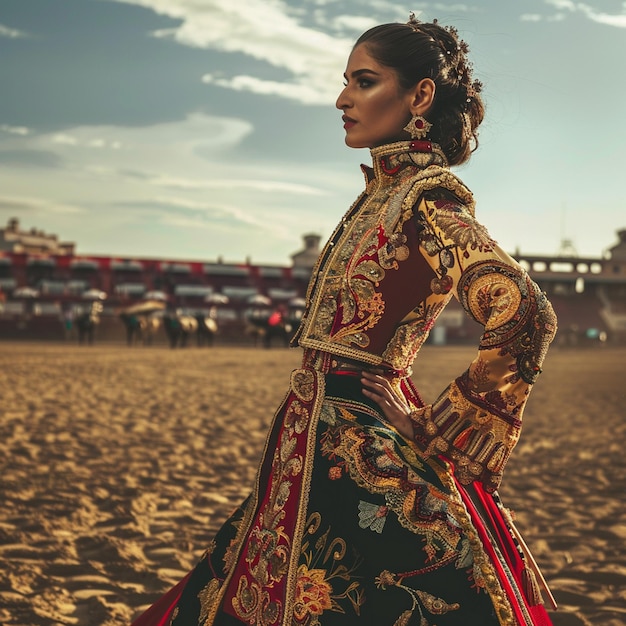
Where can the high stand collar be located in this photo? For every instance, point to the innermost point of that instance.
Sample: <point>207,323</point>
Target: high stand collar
<point>390,160</point>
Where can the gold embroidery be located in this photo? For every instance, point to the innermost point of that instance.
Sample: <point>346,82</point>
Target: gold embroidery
<point>268,544</point>
<point>494,299</point>
<point>252,603</point>
<point>343,300</point>
<point>484,573</point>
<point>231,553</point>
<point>460,226</point>
<point>272,545</point>
<point>208,599</point>
<point>297,417</point>
<point>303,384</point>
<point>312,593</point>
<point>475,439</point>
<point>303,500</point>
<point>320,565</point>
<point>404,619</point>
<point>380,470</point>
<point>173,616</point>
<point>410,336</point>
<point>433,604</point>
<point>393,251</point>
<point>361,306</point>
<point>517,317</point>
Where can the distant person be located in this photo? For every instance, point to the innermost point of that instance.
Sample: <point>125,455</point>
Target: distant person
<point>67,319</point>
<point>371,508</point>
<point>275,318</point>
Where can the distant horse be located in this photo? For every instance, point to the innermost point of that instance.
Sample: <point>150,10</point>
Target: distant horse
<point>139,327</point>
<point>207,329</point>
<point>87,321</point>
<point>269,327</point>
<point>178,328</point>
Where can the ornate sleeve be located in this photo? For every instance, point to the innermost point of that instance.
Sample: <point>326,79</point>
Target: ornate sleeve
<point>476,421</point>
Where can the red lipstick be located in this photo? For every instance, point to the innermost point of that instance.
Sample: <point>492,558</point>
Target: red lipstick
<point>348,122</point>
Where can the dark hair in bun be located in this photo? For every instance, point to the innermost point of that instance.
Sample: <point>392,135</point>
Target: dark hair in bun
<point>427,50</point>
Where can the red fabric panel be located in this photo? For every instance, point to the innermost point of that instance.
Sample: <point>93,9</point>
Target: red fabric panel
<point>160,612</point>
<point>507,547</point>
<point>519,616</point>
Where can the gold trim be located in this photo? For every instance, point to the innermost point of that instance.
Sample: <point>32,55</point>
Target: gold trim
<point>246,521</point>
<point>303,501</point>
<point>501,603</point>
<point>385,207</point>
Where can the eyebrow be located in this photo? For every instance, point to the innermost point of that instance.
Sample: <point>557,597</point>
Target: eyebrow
<point>360,72</point>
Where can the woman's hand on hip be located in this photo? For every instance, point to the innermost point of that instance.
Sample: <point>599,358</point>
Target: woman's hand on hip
<point>394,406</point>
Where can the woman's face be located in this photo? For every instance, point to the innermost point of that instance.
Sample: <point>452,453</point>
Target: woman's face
<point>375,107</point>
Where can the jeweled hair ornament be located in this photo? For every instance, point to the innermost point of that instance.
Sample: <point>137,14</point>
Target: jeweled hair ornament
<point>459,66</point>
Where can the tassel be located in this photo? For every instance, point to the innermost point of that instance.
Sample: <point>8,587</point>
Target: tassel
<point>461,439</point>
<point>530,587</point>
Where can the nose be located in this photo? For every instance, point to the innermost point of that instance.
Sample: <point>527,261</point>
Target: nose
<point>342,100</point>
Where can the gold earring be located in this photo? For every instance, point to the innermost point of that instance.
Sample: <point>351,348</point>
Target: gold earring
<point>418,127</point>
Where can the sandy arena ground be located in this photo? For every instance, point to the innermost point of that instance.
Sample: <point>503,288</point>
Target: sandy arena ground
<point>118,464</point>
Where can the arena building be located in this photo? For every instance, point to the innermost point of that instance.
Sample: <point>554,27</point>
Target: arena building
<point>46,288</point>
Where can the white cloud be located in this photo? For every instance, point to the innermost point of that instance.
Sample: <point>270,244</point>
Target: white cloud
<point>14,130</point>
<point>531,17</point>
<point>353,23</point>
<point>95,142</point>
<point>169,183</point>
<point>267,186</point>
<point>562,4</point>
<point>617,20</point>
<point>455,8</point>
<point>604,18</point>
<point>306,94</point>
<point>219,211</point>
<point>265,30</point>
<point>11,33</point>
<point>64,139</point>
<point>39,205</point>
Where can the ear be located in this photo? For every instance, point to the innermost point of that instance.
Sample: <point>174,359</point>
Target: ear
<point>422,96</point>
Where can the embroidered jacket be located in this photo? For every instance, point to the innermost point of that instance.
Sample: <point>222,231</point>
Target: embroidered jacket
<point>406,246</point>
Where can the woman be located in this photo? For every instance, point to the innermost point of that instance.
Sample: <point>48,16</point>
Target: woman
<point>369,507</point>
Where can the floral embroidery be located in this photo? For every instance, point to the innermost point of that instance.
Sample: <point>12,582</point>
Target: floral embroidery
<point>303,384</point>
<point>360,305</point>
<point>460,226</point>
<point>393,251</point>
<point>373,460</point>
<point>409,337</point>
<point>421,600</point>
<point>323,580</point>
<point>312,593</point>
<point>262,588</point>
<point>347,297</point>
<point>297,417</point>
<point>335,473</point>
<point>372,516</point>
<point>253,604</point>
<point>208,599</point>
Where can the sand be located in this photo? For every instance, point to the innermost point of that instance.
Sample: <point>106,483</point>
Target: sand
<point>118,465</point>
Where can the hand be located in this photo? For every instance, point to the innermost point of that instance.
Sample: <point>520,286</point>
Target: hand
<point>394,407</point>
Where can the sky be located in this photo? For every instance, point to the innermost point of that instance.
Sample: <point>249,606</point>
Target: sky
<point>206,129</point>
